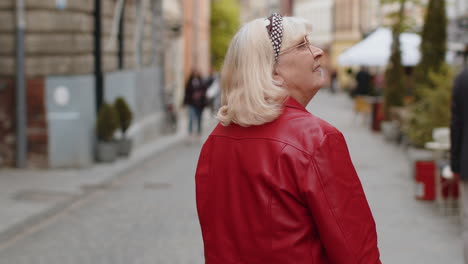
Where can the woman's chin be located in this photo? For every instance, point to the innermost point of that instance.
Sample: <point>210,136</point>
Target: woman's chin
<point>320,82</point>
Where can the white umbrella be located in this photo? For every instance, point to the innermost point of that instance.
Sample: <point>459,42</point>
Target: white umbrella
<point>375,50</point>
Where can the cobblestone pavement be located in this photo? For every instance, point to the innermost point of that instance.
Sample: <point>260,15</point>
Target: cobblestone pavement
<point>149,215</point>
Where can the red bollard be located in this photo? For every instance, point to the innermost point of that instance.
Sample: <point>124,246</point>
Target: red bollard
<point>377,115</point>
<point>450,189</point>
<point>425,180</point>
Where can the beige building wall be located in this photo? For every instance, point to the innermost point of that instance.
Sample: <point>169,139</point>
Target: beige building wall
<point>196,33</point>
<point>252,9</point>
<point>60,42</point>
<point>56,42</point>
<point>353,19</point>
<point>320,14</point>
<point>7,38</point>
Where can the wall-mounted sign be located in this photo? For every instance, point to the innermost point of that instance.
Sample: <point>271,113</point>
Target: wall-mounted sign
<point>61,4</point>
<point>62,95</point>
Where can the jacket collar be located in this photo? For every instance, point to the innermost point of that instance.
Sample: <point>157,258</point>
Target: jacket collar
<point>291,102</point>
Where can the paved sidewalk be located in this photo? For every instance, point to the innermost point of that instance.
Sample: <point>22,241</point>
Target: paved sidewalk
<point>28,196</point>
<point>410,231</point>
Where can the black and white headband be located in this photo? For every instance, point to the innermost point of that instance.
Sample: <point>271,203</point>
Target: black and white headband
<point>274,25</point>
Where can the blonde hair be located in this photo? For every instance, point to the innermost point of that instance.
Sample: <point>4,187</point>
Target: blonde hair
<point>250,96</point>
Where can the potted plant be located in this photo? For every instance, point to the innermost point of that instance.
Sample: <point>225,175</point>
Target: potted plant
<point>125,119</point>
<point>107,124</point>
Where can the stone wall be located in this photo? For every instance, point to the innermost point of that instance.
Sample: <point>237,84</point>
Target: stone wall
<point>59,43</point>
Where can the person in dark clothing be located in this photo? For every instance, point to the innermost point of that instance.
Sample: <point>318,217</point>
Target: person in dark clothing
<point>333,81</point>
<point>459,126</point>
<point>363,82</point>
<point>459,146</point>
<point>194,98</point>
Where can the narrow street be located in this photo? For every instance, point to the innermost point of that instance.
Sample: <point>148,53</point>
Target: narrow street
<point>149,215</point>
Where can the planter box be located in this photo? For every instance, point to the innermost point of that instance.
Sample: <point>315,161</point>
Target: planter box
<point>125,147</point>
<point>106,151</point>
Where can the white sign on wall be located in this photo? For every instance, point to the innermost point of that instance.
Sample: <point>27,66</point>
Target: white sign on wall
<point>62,95</point>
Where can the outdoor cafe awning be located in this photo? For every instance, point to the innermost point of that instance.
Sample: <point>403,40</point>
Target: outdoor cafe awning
<point>375,50</point>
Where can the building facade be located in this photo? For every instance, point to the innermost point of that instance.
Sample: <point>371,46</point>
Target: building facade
<point>256,9</point>
<point>196,36</point>
<point>320,14</point>
<point>353,20</point>
<point>70,69</point>
<point>252,9</point>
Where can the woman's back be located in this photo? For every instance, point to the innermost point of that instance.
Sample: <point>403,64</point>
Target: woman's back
<point>257,189</point>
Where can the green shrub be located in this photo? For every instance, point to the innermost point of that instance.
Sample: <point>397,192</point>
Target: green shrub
<point>224,23</point>
<point>433,46</point>
<point>107,122</point>
<point>124,114</point>
<point>433,108</point>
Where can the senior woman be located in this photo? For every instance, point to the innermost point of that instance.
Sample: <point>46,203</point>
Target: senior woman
<point>274,183</point>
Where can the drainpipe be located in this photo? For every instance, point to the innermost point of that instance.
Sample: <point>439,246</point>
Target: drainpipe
<point>120,39</point>
<point>99,81</point>
<point>21,116</point>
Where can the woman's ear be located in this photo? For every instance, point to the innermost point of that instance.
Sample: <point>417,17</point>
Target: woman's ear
<point>277,77</point>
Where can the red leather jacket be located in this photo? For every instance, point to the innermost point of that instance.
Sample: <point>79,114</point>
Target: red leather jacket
<point>285,192</point>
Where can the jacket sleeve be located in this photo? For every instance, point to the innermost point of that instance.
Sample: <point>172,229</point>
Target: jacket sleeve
<point>338,205</point>
<point>456,126</point>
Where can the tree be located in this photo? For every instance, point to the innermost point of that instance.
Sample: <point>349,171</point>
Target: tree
<point>433,46</point>
<point>394,75</point>
<point>224,23</point>
<point>407,22</point>
<point>433,109</point>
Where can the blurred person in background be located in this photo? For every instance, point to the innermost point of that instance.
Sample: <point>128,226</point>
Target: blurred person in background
<point>195,99</point>
<point>274,183</point>
<point>459,144</point>
<point>363,82</point>
<point>334,81</point>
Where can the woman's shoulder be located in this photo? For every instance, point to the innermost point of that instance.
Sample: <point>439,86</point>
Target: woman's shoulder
<point>308,122</point>
<point>302,130</point>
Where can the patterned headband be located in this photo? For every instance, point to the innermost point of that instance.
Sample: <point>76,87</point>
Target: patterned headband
<point>274,25</point>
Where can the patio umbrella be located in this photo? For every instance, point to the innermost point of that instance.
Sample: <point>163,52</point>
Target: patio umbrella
<point>375,50</point>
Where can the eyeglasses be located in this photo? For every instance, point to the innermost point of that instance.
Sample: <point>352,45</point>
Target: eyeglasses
<point>305,42</point>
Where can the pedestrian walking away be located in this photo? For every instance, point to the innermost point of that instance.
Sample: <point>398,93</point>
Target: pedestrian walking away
<point>274,183</point>
<point>459,145</point>
<point>194,98</point>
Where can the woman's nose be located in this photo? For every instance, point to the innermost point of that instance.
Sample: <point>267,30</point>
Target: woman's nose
<point>318,52</point>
